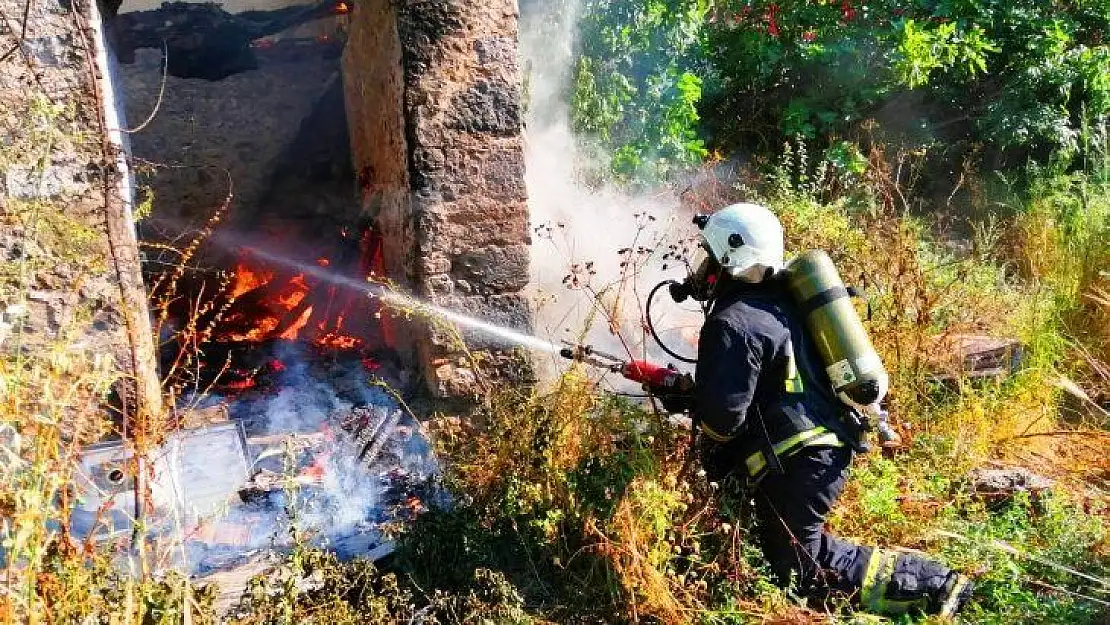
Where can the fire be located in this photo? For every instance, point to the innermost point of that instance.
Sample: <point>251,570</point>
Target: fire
<point>264,302</point>
<point>341,8</point>
<point>269,305</point>
<point>247,280</point>
<point>291,333</point>
<point>262,329</point>
<point>273,306</point>
<point>241,384</point>
<point>294,293</point>
<point>335,340</point>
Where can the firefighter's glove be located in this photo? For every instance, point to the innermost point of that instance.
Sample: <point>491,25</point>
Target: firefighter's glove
<point>673,401</point>
<point>718,459</point>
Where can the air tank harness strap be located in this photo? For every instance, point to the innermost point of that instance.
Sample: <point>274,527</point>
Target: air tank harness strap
<point>822,298</point>
<point>819,436</point>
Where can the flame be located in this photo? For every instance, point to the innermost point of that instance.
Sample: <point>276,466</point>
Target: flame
<point>266,303</point>
<point>293,294</point>
<point>291,333</point>
<point>341,8</point>
<point>335,340</point>
<point>261,330</point>
<point>241,385</point>
<point>247,280</point>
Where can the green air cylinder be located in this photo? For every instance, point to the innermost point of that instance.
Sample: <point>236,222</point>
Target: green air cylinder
<point>853,365</point>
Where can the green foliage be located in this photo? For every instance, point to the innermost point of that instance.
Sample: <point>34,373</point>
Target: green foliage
<point>1022,77</point>
<point>1010,544</point>
<point>923,50</point>
<point>656,79</point>
<point>878,481</point>
<point>784,70</point>
<point>318,588</point>
<point>638,83</point>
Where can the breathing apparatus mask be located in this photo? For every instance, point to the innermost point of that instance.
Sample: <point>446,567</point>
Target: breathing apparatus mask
<point>743,242</point>
<point>701,284</point>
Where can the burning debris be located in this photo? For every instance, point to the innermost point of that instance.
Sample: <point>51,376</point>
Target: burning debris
<point>302,374</point>
<point>235,341</point>
<point>226,491</point>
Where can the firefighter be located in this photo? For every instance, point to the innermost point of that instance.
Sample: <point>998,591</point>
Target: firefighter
<point>761,418</point>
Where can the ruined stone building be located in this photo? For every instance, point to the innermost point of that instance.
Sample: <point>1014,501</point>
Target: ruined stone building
<point>375,136</point>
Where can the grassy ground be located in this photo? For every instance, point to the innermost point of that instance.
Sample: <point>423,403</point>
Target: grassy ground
<point>573,506</point>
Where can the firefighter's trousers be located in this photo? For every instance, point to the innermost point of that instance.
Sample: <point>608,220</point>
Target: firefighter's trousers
<point>791,508</point>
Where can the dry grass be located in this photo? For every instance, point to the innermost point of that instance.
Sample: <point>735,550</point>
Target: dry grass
<point>599,495</point>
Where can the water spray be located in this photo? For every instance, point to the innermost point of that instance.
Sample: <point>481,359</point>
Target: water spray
<point>408,301</point>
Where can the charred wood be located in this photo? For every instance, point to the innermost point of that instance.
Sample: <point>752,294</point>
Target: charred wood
<point>203,40</point>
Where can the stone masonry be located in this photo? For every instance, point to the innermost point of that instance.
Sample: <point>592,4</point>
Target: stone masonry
<point>434,103</point>
<point>70,270</point>
<point>432,92</point>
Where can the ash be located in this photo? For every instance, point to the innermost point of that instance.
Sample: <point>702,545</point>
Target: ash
<point>320,453</point>
<point>333,458</point>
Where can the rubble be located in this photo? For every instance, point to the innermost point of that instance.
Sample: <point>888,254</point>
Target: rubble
<point>202,40</point>
<point>976,357</point>
<point>998,485</point>
<point>221,493</point>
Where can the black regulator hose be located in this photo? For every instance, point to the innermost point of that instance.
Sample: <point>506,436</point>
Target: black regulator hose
<point>651,324</point>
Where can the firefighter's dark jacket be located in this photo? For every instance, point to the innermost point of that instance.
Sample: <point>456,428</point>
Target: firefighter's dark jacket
<point>748,392</point>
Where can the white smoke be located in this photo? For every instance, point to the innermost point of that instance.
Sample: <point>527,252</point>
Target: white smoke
<point>221,494</point>
<point>580,229</point>
<point>340,508</point>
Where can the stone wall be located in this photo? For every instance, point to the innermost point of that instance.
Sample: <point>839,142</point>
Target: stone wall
<point>70,271</point>
<point>238,131</point>
<point>432,91</point>
<point>434,102</point>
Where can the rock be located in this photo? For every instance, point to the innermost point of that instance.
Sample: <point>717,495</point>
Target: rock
<point>54,51</point>
<point>497,268</point>
<point>491,106</point>
<point>441,138</point>
<point>972,356</point>
<point>198,417</point>
<point>999,484</point>
<point>29,182</point>
<point>495,50</point>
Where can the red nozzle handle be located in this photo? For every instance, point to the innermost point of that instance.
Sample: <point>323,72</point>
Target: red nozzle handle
<point>646,372</point>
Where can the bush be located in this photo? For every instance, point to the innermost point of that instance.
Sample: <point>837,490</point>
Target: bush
<point>638,83</point>
<point>1001,81</point>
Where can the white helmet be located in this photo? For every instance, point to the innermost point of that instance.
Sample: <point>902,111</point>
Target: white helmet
<point>745,239</point>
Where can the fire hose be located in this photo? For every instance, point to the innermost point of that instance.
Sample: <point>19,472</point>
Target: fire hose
<point>678,294</point>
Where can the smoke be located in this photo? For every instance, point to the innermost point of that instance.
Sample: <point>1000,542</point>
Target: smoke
<point>324,434</point>
<point>586,289</point>
<point>303,434</point>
